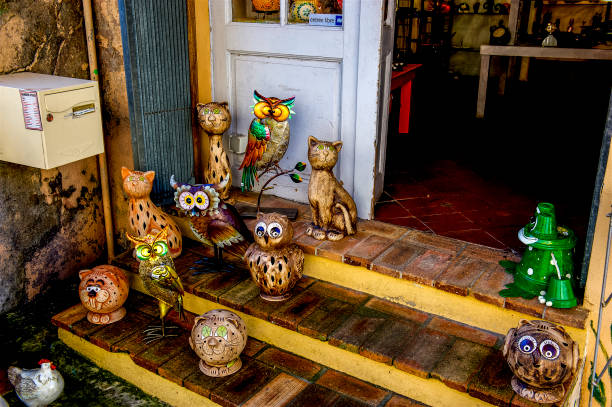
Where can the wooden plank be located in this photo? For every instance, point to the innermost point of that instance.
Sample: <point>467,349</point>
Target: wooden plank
<point>547,52</point>
<point>279,392</point>
<point>485,60</point>
<point>513,20</point>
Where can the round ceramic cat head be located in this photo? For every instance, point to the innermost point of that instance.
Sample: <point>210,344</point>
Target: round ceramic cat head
<point>214,117</point>
<point>103,289</point>
<point>540,354</point>
<point>272,231</point>
<point>218,337</point>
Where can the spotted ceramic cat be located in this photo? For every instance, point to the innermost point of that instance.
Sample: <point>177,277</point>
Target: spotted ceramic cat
<point>218,337</point>
<point>145,217</point>
<point>543,357</point>
<point>215,119</point>
<point>334,212</point>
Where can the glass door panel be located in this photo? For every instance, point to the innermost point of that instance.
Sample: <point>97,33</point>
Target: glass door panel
<point>315,12</point>
<point>256,11</point>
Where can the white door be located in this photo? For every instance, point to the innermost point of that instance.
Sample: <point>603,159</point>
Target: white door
<point>334,72</point>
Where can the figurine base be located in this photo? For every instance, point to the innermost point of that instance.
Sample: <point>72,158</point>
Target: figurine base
<point>103,319</point>
<point>550,395</point>
<point>275,298</point>
<point>220,371</point>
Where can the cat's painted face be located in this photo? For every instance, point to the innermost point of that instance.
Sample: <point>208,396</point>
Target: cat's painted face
<point>323,155</point>
<point>218,337</point>
<point>214,117</point>
<point>137,184</point>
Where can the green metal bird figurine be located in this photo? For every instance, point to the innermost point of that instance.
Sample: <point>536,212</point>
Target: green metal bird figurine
<point>268,136</point>
<point>160,279</point>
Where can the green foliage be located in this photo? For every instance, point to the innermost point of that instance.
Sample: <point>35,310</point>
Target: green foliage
<point>599,393</point>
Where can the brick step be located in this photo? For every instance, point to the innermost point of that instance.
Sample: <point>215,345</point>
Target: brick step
<point>417,354</point>
<point>269,375</point>
<point>436,274</point>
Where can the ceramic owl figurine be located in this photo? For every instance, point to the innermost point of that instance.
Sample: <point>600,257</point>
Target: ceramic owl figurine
<point>160,279</point>
<point>276,264</point>
<point>214,222</point>
<point>145,217</point>
<point>103,290</point>
<point>268,136</point>
<point>215,119</point>
<point>218,337</point>
<point>542,357</point>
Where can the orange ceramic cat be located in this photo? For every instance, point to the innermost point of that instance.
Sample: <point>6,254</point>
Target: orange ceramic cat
<point>145,217</point>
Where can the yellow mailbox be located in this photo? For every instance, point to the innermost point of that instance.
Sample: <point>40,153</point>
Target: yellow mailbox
<point>47,121</point>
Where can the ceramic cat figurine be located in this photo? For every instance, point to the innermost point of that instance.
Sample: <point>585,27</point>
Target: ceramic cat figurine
<point>334,212</point>
<point>145,217</point>
<point>215,119</point>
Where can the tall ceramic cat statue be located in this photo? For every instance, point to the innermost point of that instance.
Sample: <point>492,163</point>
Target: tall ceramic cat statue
<point>334,213</point>
<point>145,217</point>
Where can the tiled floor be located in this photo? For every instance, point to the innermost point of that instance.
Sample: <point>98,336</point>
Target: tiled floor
<point>455,202</point>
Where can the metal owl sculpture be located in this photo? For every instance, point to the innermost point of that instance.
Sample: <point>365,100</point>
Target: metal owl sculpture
<point>159,278</point>
<point>214,222</point>
<point>268,137</point>
<point>275,263</point>
<point>543,357</point>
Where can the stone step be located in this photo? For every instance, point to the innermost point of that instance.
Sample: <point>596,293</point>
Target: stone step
<point>420,355</point>
<point>169,369</point>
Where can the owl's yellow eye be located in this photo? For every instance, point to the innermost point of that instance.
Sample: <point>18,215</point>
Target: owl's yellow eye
<point>160,248</point>
<point>201,200</point>
<point>186,201</point>
<point>281,113</point>
<point>261,110</point>
<point>143,252</point>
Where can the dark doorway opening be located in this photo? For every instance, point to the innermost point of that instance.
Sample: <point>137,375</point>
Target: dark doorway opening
<point>479,180</point>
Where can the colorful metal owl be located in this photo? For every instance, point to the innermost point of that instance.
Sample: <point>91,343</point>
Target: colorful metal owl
<point>268,136</point>
<point>159,278</point>
<point>543,357</point>
<point>276,264</point>
<point>214,222</point>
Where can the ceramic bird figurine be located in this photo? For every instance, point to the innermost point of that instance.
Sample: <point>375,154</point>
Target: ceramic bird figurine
<point>276,264</point>
<point>214,222</point>
<point>268,136</point>
<point>37,387</point>
<point>159,278</point>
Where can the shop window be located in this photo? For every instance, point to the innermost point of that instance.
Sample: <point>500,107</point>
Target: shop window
<point>256,11</point>
<point>315,12</point>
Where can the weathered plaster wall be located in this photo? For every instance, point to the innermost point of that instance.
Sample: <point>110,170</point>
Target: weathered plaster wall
<point>51,221</point>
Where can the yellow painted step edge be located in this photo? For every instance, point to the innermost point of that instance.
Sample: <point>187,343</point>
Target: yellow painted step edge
<point>464,309</point>
<point>430,391</point>
<point>123,366</point>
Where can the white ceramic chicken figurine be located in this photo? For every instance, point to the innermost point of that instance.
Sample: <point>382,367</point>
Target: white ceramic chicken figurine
<point>37,387</point>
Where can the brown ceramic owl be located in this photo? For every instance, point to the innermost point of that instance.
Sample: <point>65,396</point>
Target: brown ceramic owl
<point>218,337</point>
<point>543,357</point>
<point>215,119</point>
<point>103,290</point>
<point>276,264</point>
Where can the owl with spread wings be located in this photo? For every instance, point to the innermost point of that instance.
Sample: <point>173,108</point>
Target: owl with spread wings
<point>268,136</point>
<point>214,222</point>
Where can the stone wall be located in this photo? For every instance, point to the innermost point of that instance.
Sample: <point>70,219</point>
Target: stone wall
<point>51,221</point>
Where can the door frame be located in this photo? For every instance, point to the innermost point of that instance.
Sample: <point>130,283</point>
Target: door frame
<point>359,128</point>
